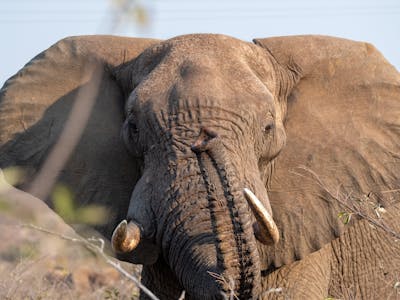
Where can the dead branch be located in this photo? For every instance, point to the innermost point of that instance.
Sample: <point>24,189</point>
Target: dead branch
<point>344,201</point>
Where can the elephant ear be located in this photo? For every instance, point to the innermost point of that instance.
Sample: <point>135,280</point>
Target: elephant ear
<point>35,106</point>
<point>343,133</point>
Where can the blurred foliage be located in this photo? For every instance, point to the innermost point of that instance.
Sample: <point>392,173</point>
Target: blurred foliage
<point>64,205</point>
<point>4,206</point>
<point>62,197</point>
<point>126,11</point>
<point>21,251</point>
<point>14,175</point>
<point>9,176</point>
<point>63,202</point>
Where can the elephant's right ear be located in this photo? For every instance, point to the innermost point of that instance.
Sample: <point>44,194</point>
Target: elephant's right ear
<point>342,126</point>
<point>35,106</point>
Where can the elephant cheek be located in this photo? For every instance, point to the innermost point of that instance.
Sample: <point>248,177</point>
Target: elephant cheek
<point>281,142</point>
<point>278,143</point>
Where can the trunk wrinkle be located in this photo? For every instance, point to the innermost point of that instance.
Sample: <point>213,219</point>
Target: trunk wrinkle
<point>234,251</point>
<point>211,190</point>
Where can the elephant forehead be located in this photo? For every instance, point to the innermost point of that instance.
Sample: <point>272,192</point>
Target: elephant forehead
<point>195,69</point>
<point>193,85</point>
<point>216,44</point>
<point>201,72</point>
<point>193,53</point>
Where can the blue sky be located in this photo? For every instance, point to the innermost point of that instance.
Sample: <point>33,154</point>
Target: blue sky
<point>28,27</point>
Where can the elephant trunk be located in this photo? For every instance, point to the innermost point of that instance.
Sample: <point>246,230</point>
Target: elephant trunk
<point>208,237</point>
<point>205,224</point>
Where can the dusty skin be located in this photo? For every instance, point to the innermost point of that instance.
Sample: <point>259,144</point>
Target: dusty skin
<point>174,132</point>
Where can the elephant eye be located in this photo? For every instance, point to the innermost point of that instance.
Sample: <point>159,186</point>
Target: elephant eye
<point>132,127</point>
<point>269,127</point>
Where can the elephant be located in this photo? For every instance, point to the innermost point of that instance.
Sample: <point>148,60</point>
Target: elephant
<point>226,166</point>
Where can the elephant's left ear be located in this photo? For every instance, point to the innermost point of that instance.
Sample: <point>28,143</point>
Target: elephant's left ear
<point>35,106</point>
<point>342,126</point>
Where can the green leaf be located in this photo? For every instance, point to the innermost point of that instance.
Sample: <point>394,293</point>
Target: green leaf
<point>345,217</point>
<point>4,206</point>
<point>63,203</point>
<point>92,215</point>
<point>14,175</point>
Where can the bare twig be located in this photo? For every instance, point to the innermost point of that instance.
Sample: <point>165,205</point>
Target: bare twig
<point>228,285</point>
<point>98,250</point>
<point>273,290</point>
<point>344,201</point>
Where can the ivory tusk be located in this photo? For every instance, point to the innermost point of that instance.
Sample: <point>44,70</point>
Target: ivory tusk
<point>126,237</point>
<point>266,231</point>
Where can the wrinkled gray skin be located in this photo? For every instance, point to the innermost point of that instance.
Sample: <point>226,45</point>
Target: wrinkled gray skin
<point>204,116</point>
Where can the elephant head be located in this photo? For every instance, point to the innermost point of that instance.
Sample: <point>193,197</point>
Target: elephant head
<point>215,128</point>
<point>189,206</point>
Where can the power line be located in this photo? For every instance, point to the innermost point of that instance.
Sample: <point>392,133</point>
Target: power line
<point>202,13</point>
<point>216,16</point>
<point>211,10</point>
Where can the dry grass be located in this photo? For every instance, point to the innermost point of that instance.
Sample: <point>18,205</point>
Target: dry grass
<point>36,265</point>
<point>41,257</point>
